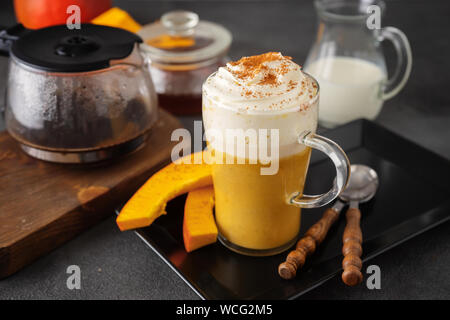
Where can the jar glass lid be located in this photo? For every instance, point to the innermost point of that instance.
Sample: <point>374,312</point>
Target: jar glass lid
<point>180,37</point>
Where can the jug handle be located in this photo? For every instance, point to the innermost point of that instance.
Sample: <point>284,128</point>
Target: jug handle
<point>404,61</point>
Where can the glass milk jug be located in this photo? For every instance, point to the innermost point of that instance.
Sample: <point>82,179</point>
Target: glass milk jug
<point>348,63</point>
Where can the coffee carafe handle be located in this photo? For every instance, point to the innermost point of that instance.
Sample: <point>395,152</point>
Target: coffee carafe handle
<point>8,36</point>
<point>404,60</point>
<point>341,162</point>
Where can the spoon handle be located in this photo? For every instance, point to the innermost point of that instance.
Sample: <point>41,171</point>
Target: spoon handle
<point>307,245</point>
<point>352,249</point>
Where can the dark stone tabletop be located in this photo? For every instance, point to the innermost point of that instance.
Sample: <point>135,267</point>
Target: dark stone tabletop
<point>117,265</point>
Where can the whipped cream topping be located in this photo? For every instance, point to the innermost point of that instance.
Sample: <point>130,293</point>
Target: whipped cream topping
<point>267,82</point>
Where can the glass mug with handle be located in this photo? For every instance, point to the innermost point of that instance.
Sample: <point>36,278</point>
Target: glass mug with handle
<point>349,64</point>
<point>268,103</point>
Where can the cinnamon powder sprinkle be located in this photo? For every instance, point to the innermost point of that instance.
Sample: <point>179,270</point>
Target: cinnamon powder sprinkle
<point>251,66</point>
<point>292,85</point>
<point>270,79</point>
<point>256,67</point>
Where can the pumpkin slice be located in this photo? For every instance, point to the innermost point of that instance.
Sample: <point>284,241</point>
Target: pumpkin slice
<point>149,202</point>
<point>118,18</point>
<point>167,42</point>
<point>199,227</point>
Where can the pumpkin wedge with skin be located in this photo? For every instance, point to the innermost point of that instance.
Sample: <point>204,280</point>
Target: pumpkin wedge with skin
<point>199,226</point>
<point>118,18</point>
<point>149,202</point>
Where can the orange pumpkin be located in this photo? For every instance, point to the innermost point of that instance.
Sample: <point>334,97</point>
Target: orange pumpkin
<point>199,226</point>
<point>35,14</point>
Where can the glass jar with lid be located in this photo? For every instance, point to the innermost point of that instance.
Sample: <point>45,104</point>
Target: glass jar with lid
<point>183,51</point>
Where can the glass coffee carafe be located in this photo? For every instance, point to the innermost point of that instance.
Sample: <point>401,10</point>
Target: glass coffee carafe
<point>348,62</point>
<point>78,96</point>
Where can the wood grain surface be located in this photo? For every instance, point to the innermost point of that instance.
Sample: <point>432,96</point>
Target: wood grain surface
<point>43,205</point>
<point>352,248</point>
<point>307,245</point>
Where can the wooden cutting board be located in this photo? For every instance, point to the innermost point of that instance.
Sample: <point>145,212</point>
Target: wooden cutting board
<point>43,205</point>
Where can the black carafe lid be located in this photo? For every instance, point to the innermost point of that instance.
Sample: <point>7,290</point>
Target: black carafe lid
<point>59,49</point>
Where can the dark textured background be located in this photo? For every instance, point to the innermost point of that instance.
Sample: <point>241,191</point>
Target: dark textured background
<point>119,266</point>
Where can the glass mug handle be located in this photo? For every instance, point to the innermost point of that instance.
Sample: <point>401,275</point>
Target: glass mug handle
<point>340,160</point>
<point>404,60</point>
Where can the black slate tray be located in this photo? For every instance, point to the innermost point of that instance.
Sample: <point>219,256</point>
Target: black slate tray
<point>413,196</point>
